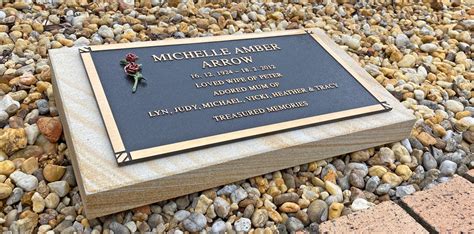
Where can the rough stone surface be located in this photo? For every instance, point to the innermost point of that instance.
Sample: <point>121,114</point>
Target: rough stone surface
<point>386,217</point>
<point>12,140</point>
<point>447,207</point>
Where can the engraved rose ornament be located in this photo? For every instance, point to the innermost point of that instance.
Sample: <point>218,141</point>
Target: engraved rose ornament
<point>132,69</point>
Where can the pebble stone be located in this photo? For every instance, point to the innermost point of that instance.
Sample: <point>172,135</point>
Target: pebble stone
<point>218,227</point>
<point>360,204</point>
<point>293,224</point>
<point>238,195</point>
<point>24,181</point>
<point>402,191</point>
<point>118,228</point>
<point>195,222</point>
<point>5,190</point>
<point>15,196</point>
<point>447,168</point>
<point>429,162</point>
<point>242,225</point>
<point>43,106</point>
<point>53,172</point>
<point>52,200</point>
<point>222,207</point>
<point>7,167</point>
<point>318,211</point>
<point>59,187</point>
<point>372,184</point>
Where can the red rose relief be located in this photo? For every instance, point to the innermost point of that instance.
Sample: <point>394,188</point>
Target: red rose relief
<point>132,69</point>
<point>130,57</point>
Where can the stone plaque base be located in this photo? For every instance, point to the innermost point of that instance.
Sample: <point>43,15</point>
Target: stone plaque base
<point>107,188</point>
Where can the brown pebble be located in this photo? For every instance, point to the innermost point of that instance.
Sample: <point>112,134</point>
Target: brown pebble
<point>53,172</point>
<point>289,207</point>
<point>426,139</point>
<point>51,128</point>
<point>30,165</point>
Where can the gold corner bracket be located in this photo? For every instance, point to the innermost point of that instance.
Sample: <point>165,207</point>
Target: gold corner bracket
<point>123,157</point>
<point>385,105</point>
<point>85,49</point>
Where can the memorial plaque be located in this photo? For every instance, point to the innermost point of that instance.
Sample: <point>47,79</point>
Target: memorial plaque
<point>201,93</point>
<point>220,110</point>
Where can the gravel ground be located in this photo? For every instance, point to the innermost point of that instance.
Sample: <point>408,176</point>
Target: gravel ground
<point>421,54</point>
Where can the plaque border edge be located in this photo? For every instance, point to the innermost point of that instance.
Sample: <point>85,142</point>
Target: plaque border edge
<point>112,128</point>
<point>118,147</point>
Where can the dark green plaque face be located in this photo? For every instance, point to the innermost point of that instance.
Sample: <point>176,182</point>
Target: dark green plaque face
<point>201,92</point>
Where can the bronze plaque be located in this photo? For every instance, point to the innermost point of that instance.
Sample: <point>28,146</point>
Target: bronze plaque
<point>164,97</point>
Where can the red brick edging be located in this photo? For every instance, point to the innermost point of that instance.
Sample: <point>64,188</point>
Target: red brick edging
<point>386,217</point>
<point>448,207</point>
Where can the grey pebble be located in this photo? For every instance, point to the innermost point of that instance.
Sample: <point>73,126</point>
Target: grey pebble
<point>60,187</point>
<point>406,143</point>
<point>415,143</point>
<point>179,35</point>
<point>170,208</point>
<point>3,118</point>
<point>326,170</point>
<point>289,180</point>
<point>285,197</point>
<point>339,164</point>
<point>238,195</point>
<point>429,162</point>
<point>451,145</point>
<point>195,222</point>
<point>118,228</point>
<point>221,207</point>
<point>43,106</point>
<point>343,182</point>
<point>154,220</point>
<point>447,168</point>
<point>443,179</point>
<point>226,190</point>
<point>69,176</point>
<point>63,225</point>
<point>242,225</point>
<point>360,166</point>
<point>15,196</point>
<point>182,202</point>
<point>437,154</point>
<point>318,211</point>
<point>314,228</point>
<point>26,182</point>
<point>418,175</point>
<point>402,191</point>
<point>293,224</point>
<point>383,189</point>
<point>181,215</point>
<point>78,227</point>
<point>372,184</point>
<point>331,199</point>
<point>218,227</point>
<point>248,211</point>
<point>356,178</point>
<point>32,117</point>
